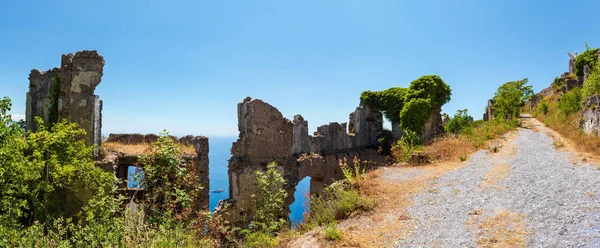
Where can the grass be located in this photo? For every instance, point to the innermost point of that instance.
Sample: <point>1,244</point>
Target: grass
<point>496,172</point>
<point>568,126</point>
<point>504,229</point>
<point>136,149</point>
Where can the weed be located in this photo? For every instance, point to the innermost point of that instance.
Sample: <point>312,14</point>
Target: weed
<point>463,157</point>
<point>332,233</point>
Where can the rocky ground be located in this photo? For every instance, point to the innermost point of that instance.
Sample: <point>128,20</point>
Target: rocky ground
<point>533,191</point>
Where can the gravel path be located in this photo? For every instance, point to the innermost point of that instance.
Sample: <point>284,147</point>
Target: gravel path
<point>556,200</point>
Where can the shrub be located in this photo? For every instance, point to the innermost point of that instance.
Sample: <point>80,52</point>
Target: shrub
<point>172,184</point>
<point>543,107</point>
<point>337,201</point>
<point>405,147</point>
<point>352,174</point>
<point>332,233</point>
<point>269,200</point>
<point>460,121</point>
<point>589,58</point>
<point>591,86</point>
<point>570,102</point>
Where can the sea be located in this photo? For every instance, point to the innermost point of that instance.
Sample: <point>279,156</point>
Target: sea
<point>218,156</point>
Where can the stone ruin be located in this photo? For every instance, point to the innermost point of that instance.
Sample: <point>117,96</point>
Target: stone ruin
<point>266,136</point>
<point>71,97</point>
<point>489,111</point>
<point>118,162</point>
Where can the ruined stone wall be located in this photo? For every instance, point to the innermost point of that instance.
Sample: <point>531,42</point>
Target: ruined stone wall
<point>38,102</point>
<point>434,126</point>
<point>591,115</point>
<point>266,136</point>
<point>489,114</point>
<point>79,76</point>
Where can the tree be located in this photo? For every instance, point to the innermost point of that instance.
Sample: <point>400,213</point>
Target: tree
<point>48,174</point>
<point>410,107</point>
<point>589,58</point>
<point>510,97</point>
<point>460,121</point>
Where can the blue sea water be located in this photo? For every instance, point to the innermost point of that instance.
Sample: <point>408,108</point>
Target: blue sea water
<point>218,155</point>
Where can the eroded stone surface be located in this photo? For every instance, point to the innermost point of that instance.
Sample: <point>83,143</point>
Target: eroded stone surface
<point>79,75</point>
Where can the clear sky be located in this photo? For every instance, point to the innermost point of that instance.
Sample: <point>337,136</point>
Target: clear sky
<point>184,65</point>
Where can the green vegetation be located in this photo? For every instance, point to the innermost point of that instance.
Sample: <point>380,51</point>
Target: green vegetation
<point>570,102</point>
<point>510,98</point>
<point>338,201</point>
<point>481,131</point>
<point>589,58</point>
<point>332,233</point>
<point>410,107</point>
<point>460,121</point>
<point>269,200</point>
<point>592,84</point>
<point>173,183</point>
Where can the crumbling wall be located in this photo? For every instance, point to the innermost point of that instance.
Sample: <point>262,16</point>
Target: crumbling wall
<point>39,102</point>
<point>79,75</point>
<point>266,136</point>
<point>489,111</point>
<point>434,126</point>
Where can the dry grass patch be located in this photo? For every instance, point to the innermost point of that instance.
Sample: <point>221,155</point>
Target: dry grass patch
<point>504,229</point>
<point>497,172</point>
<point>138,149</point>
<point>448,149</point>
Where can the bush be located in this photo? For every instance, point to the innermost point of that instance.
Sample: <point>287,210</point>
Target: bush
<point>543,107</point>
<point>352,174</point>
<point>332,233</point>
<point>172,184</point>
<point>337,201</point>
<point>589,58</point>
<point>405,147</point>
<point>269,200</point>
<point>591,86</point>
<point>460,121</point>
<point>570,102</point>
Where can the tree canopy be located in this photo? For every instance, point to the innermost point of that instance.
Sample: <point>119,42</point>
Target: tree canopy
<point>410,107</point>
<point>510,97</point>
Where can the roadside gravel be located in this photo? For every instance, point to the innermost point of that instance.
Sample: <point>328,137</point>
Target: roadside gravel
<point>558,201</point>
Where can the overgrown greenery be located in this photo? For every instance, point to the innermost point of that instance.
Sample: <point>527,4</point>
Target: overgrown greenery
<point>460,121</point>
<point>172,183</point>
<point>269,201</point>
<point>589,58</point>
<point>510,98</point>
<point>591,86</point>
<point>410,107</point>
<point>570,102</point>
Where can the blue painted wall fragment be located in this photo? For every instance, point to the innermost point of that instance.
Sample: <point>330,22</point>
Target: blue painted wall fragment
<point>135,177</point>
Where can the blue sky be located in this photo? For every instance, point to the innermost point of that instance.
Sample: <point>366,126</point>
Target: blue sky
<point>184,65</point>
